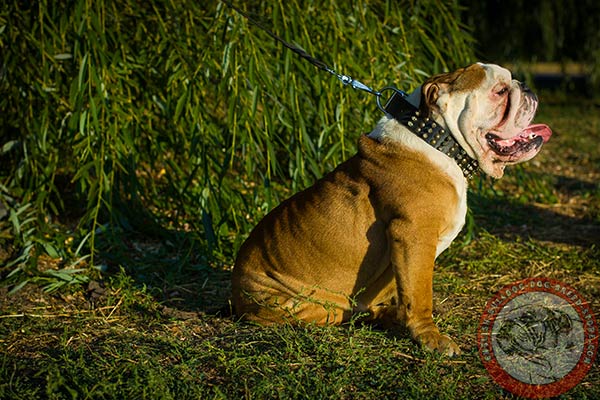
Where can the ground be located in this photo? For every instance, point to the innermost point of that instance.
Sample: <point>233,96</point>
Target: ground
<point>116,337</point>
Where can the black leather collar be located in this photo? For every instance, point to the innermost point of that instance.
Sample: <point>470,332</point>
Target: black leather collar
<point>431,132</point>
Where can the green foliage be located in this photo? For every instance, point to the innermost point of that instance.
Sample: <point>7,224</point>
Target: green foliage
<point>165,116</point>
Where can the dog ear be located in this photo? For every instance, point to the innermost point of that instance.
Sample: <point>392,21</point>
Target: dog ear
<point>463,79</point>
<point>429,95</point>
<point>432,87</point>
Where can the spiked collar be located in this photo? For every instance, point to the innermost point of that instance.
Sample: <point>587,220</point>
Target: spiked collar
<point>431,132</point>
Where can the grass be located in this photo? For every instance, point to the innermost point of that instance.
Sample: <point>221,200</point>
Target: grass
<point>141,143</point>
<point>161,332</point>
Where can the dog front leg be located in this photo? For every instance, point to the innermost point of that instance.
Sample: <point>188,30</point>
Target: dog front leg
<point>412,257</point>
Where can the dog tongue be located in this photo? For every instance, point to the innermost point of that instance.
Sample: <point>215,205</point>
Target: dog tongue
<point>537,130</point>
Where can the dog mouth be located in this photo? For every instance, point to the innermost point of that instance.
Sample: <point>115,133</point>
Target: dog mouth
<point>531,138</point>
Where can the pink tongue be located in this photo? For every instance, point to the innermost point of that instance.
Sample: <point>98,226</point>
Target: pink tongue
<point>538,130</point>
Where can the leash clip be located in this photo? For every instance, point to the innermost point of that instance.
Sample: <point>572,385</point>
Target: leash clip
<point>358,85</point>
<point>347,80</point>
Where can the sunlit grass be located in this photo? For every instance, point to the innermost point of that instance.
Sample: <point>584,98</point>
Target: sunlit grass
<point>140,143</point>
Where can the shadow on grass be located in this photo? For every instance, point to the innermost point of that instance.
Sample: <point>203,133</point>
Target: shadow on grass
<point>570,224</point>
<point>173,266</point>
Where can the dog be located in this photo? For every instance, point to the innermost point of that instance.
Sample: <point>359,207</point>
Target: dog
<point>364,238</point>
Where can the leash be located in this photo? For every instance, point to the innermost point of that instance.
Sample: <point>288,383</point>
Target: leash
<point>345,79</point>
<point>397,106</point>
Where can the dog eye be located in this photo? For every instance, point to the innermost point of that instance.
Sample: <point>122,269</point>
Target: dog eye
<point>502,91</point>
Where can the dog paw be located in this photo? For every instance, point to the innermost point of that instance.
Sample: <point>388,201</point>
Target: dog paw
<point>435,341</point>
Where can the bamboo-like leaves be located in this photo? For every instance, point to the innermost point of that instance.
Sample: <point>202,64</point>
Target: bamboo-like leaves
<point>189,113</point>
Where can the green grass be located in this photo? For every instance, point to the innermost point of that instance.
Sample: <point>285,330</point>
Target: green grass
<point>142,141</point>
<point>161,332</point>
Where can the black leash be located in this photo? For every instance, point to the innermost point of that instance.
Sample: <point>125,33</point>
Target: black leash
<point>345,79</point>
<point>397,106</point>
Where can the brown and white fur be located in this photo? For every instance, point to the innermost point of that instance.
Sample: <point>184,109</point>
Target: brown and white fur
<point>364,238</point>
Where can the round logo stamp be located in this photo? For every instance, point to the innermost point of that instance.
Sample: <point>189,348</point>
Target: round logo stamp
<point>537,338</point>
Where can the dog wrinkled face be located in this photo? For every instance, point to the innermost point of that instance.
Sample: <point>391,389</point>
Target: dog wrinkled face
<point>488,113</point>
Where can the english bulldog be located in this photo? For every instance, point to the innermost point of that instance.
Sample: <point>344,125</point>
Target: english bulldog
<point>364,238</point>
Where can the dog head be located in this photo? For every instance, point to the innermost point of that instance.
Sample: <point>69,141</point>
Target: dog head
<point>488,113</point>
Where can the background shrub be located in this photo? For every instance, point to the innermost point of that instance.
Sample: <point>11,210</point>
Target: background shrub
<point>169,117</point>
